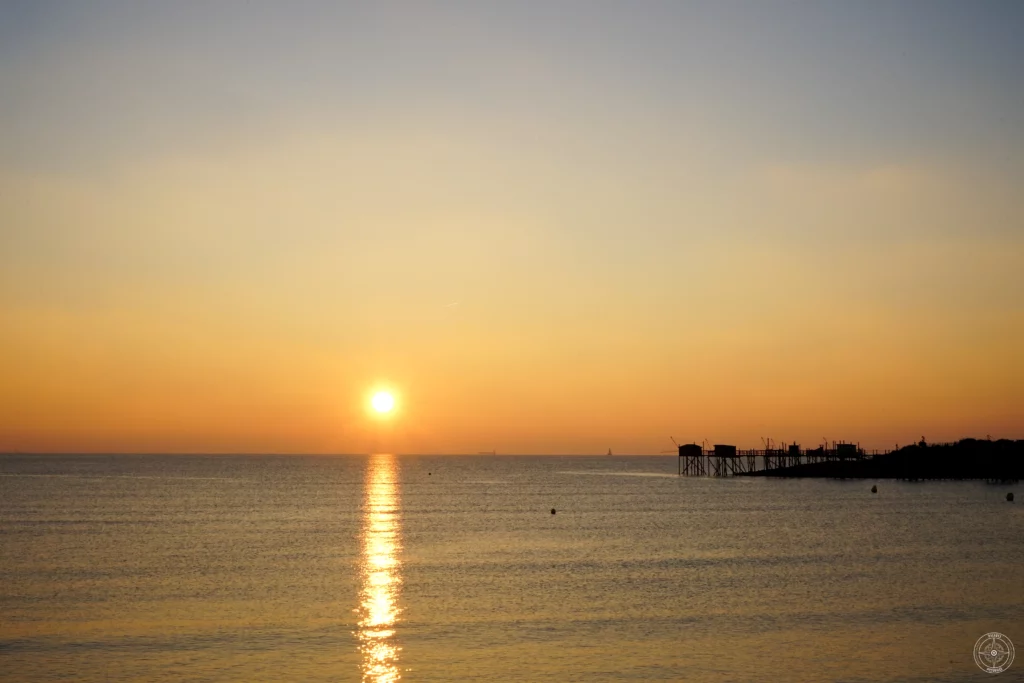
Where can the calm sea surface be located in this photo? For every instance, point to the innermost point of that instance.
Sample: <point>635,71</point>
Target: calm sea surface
<point>385,568</point>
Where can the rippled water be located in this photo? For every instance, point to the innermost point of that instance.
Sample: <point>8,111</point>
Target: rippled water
<point>409,568</point>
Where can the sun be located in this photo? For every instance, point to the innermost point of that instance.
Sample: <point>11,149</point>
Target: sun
<point>383,402</point>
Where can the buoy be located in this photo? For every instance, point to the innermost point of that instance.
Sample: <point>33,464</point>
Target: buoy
<point>874,489</point>
<point>1009,497</point>
<point>553,509</point>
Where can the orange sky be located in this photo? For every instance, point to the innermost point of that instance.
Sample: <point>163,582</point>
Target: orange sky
<point>596,263</point>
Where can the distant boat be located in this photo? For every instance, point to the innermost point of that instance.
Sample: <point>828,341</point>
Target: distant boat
<point>609,451</point>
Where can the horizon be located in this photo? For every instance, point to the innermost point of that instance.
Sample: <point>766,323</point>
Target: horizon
<point>708,446</point>
<point>535,228</point>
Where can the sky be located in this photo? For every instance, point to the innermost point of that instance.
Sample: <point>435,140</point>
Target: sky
<point>546,227</point>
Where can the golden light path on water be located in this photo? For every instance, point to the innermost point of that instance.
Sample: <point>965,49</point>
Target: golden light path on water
<point>381,575</point>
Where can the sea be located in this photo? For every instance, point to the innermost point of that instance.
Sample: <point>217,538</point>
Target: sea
<point>388,568</point>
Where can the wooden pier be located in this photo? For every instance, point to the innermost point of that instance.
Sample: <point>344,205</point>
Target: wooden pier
<point>723,460</point>
<point>995,461</point>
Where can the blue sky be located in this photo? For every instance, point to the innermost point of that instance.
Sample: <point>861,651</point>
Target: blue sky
<point>825,82</point>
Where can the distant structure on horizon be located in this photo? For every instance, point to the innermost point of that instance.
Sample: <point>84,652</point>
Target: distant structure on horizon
<point>1001,460</point>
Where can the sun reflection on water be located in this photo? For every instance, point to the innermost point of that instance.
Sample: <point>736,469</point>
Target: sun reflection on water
<point>382,580</point>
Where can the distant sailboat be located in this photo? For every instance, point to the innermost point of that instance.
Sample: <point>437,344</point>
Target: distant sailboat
<point>609,451</point>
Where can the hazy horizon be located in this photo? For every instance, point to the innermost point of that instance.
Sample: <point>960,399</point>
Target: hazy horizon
<point>544,227</point>
<point>416,454</point>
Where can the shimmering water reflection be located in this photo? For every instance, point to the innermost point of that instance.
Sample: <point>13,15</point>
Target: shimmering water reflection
<point>381,572</point>
<point>115,569</point>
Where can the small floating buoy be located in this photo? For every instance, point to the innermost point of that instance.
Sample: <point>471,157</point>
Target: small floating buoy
<point>553,509</point>
<point>874,489</point>
<point>1009,497</point>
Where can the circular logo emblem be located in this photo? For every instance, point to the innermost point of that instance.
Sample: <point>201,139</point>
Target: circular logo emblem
<point>993,653</point>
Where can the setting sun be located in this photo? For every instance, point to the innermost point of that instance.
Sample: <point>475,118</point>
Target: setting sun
<point>383,402</point>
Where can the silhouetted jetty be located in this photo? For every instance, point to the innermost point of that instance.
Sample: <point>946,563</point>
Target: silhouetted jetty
<point>995,461</point>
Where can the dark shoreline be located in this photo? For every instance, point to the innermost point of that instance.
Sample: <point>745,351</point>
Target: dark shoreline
<point>1001,460</point>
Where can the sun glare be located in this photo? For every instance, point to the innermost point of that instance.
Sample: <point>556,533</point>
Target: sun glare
<point>383,402</point>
